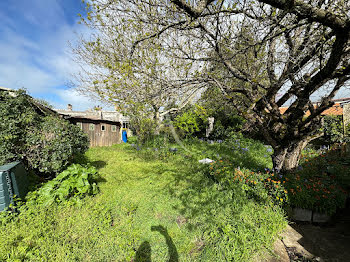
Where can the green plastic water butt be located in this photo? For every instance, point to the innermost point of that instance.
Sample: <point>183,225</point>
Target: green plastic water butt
<point>13,181</point>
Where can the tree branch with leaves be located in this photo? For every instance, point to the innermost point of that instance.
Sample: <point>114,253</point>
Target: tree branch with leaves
<point>262,53</point>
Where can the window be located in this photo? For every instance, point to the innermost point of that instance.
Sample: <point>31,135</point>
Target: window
<point>114,128</point>
<point>92,127</point>
<point>80,125</point>
<point>125,125</point>
<point>103,128</point>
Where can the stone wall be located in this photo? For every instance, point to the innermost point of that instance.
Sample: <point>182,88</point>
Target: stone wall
<point>346,115</point>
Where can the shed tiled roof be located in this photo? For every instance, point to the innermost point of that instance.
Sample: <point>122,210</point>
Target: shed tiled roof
<point>336,110</point>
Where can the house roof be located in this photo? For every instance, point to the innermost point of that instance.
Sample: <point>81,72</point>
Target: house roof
<point>335,110</point>
<point>113,116</point>
<point>41,109</point>
<point>91,119</point>
<point>5,88</point>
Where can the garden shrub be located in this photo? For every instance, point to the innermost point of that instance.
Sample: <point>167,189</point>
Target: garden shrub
<point>320,183</point>
<point>263,187</point>
<point>225,125</point>
<point>226,117</point>
<point>192,121</point>
<point>334,130</point>
<point>52,143</point>
<point>46,144</point>
<point>318,193</point>
<point>145,128</point>
<point>17,117</point>
<point>75,182</point>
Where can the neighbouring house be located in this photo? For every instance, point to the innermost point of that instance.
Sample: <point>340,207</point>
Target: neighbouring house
<point>341,107</point>
<point>104,128</point>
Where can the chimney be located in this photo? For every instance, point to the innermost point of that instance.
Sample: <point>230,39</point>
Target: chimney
<point>69,107</point>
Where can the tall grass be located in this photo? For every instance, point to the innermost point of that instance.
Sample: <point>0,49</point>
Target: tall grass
<point>149,207</point>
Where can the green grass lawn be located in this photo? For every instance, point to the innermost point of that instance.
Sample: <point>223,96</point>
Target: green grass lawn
<point>149,210</point>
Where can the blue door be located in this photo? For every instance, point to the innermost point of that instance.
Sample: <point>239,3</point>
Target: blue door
<point>125,136</point>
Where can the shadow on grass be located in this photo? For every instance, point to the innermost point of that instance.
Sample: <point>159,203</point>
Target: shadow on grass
<point>172,251</point>
<point>98,164</point>
<point>143,254</point>
<point>84,160</point>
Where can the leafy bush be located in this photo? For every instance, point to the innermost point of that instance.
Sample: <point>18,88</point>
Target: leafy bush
<point>52,143</point>
<point>320,183</point>
<point>44,143</point>
<point>260,186</point>
<point>17,117</point>
<point>145,128</point>
<point>74,182</point>
<point>226,117</point>
<point>192,121</point>
<point>225,125</point>
<point>334,130</point>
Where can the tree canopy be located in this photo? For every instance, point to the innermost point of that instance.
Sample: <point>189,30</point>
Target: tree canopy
<point>264,52</point>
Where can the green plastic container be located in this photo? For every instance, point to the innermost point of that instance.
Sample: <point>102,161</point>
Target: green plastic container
<point>13,182</point>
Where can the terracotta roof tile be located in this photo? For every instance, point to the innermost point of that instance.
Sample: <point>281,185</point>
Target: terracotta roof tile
<point>283,109</point>
<point>336,110</point>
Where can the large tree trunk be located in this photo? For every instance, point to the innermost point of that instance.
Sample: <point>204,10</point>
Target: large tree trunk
<point>286,158</point>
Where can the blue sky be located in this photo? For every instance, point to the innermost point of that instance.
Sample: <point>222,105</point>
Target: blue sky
<point>34,36</point>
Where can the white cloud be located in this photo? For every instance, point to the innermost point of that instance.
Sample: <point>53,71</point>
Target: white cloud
<point>39,60</point>
<point>19,75</point>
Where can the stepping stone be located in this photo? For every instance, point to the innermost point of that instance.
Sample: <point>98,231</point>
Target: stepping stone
<point>292,239</point>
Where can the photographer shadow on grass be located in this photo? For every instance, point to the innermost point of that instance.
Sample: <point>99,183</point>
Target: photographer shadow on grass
<point>143,254</point>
